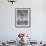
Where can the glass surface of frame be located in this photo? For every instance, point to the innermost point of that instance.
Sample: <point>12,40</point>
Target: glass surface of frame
<point>22,17</point>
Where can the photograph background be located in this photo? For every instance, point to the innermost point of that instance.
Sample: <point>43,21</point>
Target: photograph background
<point>22,17</point>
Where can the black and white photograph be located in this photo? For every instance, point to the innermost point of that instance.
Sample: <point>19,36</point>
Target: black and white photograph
<point>22,17</point>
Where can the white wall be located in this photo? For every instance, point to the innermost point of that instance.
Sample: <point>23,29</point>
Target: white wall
<point>37,30</point>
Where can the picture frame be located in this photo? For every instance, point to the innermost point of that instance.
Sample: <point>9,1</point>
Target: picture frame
<point>22,17</point>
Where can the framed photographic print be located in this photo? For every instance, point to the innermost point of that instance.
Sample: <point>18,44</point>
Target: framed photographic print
<point>22,17</point>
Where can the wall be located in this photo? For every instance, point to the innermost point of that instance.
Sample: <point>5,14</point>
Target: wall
<point>8,31</point>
